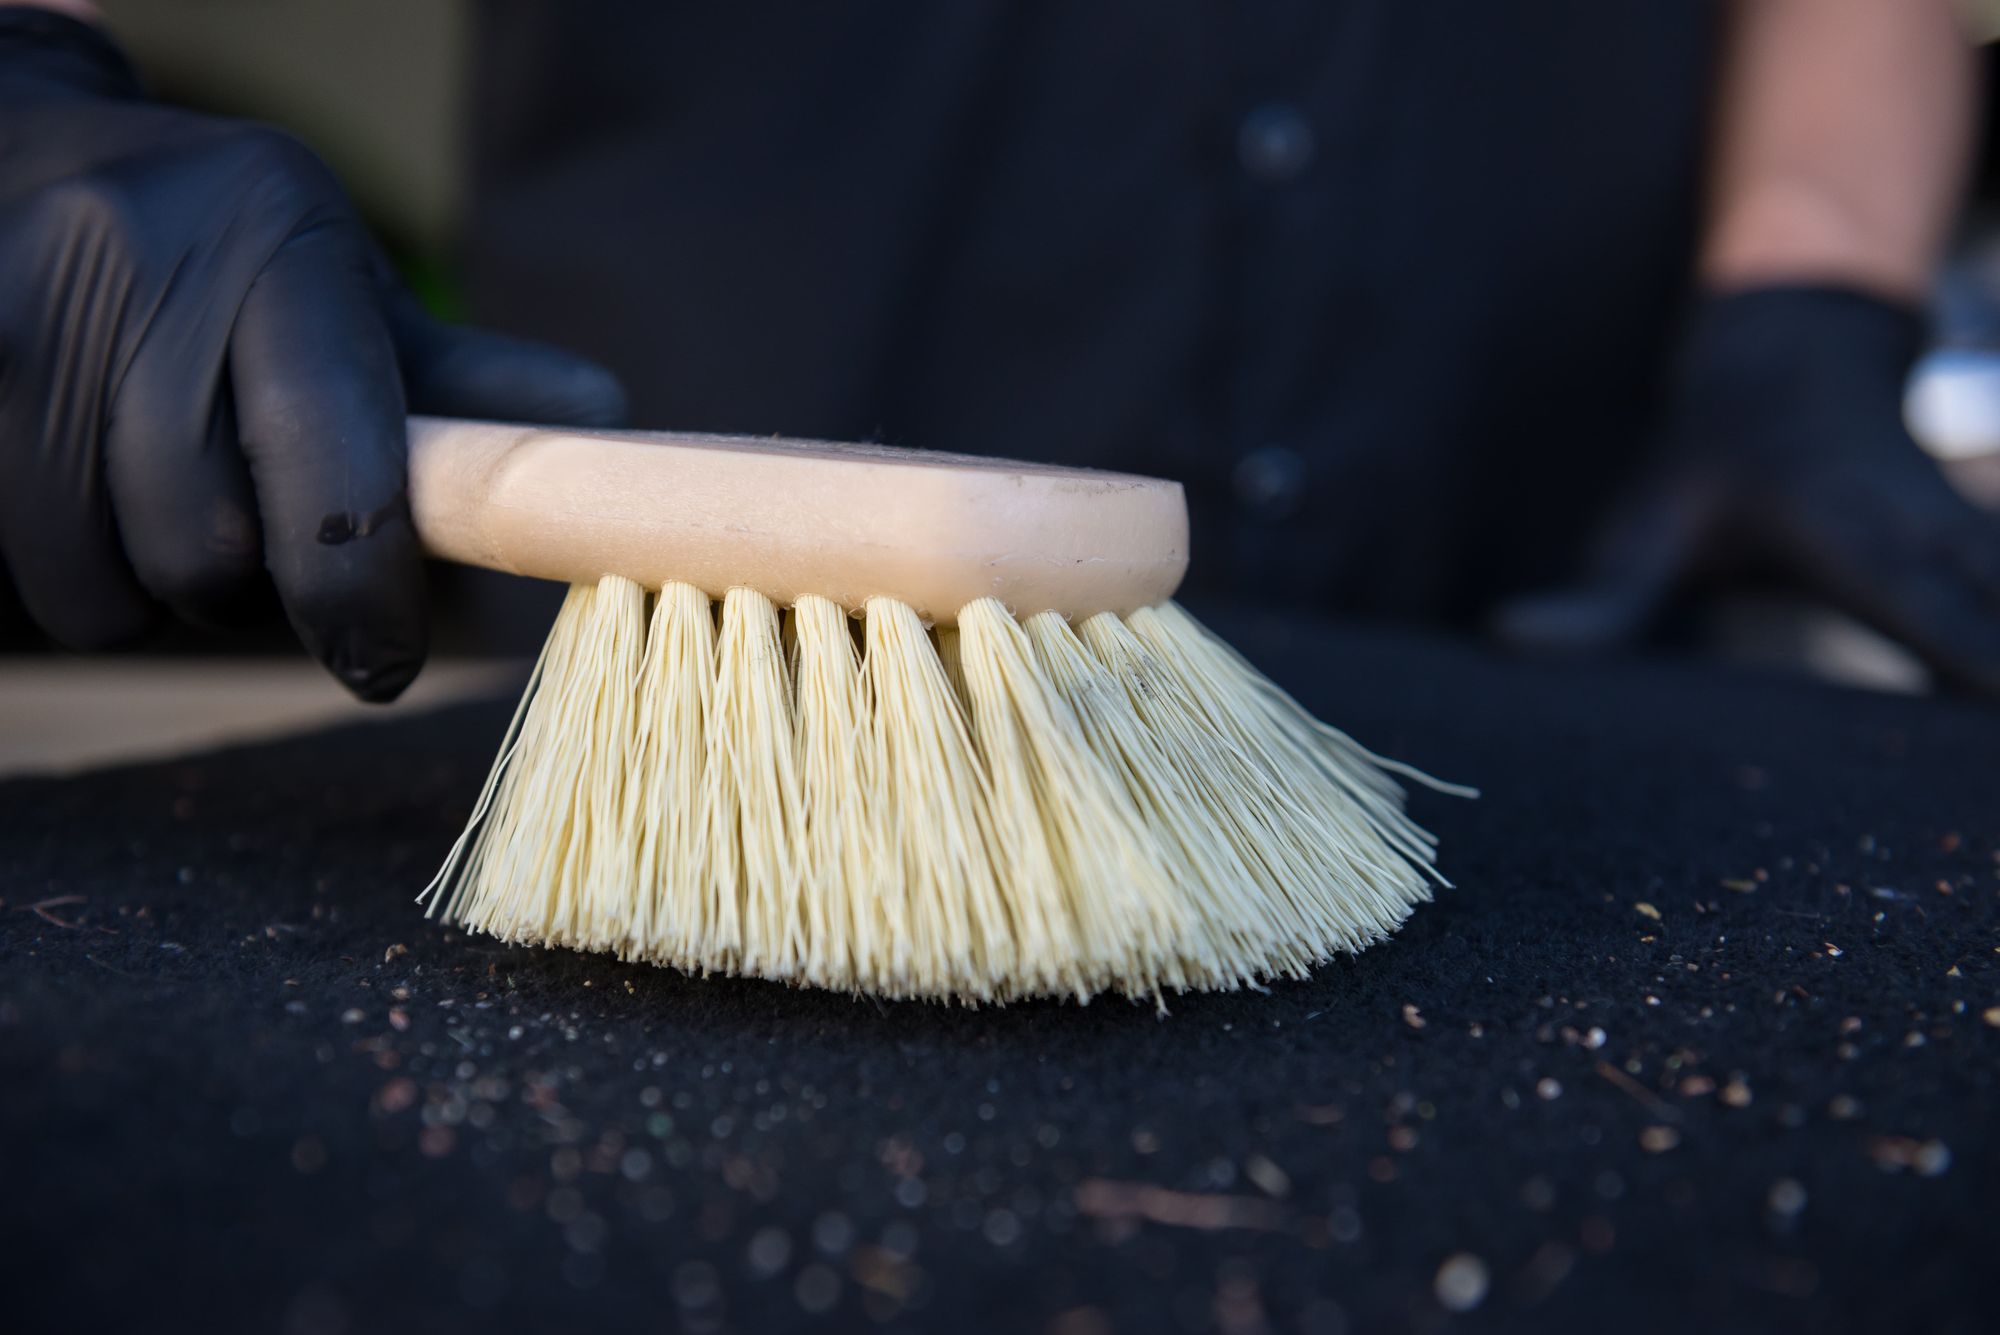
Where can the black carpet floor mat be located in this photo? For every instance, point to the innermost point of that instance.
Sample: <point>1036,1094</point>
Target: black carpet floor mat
<point>1704,1038</point>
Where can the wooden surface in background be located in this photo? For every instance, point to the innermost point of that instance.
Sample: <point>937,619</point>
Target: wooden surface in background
<point>66,715</point>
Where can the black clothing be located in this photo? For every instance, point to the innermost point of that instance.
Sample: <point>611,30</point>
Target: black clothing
<point>219,1114</point>
<point>1387,283</point>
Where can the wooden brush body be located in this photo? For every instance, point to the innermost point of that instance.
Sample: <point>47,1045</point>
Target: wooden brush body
<point>794,518</point>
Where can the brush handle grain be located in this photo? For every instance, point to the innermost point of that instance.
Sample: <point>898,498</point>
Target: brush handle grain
<point>792,517</point>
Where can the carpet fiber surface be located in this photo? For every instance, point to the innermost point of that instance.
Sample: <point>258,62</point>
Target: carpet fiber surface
<point>1705,1038</point>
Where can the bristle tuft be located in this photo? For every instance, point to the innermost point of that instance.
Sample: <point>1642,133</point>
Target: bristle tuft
<point>846,927</point>
<point>666,818</point>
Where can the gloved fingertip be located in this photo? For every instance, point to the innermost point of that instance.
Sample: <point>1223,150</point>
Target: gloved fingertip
<point>374,667</point>
<point>378,683</point>
<point>589,396</point>
<point>457,371</point>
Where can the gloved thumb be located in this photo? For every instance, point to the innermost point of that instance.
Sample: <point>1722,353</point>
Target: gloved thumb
<point>1642,556</point>
<point>459,371</point>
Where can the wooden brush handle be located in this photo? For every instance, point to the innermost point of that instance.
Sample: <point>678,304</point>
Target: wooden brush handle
<point>791,517</point>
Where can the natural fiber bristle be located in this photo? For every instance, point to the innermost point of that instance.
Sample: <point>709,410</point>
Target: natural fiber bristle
<point>982,812</point>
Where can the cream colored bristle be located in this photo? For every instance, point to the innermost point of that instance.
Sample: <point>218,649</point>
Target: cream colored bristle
<point>1094,901</point>
<point>1247,813</point>
<point>946,640</point>
<point>848,930</point>
<point>1319,835</point>
<point>753,798</point>
<point>666,813</point>
<point>563,874</point>
<point>948,910</point>
<point>1228,939</point>
<point>983,811</point>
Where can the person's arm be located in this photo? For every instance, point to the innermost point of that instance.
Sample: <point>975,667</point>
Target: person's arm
<point>1841,133</point>
<point>1845,127</point>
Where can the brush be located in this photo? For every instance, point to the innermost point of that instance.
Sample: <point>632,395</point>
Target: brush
<point>893,722</point>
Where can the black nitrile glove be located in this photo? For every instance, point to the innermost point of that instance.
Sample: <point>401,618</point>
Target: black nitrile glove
<point>1785,455</point>
<point>203,367</point>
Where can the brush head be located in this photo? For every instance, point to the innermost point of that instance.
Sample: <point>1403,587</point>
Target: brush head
<point>792,519</point>
<point>995,809</point>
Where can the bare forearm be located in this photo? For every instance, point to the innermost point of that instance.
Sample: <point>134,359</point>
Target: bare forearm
<point>1843,129</point>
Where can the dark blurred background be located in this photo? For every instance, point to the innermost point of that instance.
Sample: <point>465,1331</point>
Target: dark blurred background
<point>377,86</point>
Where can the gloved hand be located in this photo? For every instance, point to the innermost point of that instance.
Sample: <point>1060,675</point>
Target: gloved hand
<point>1784,454</point>
<point>203,368</point>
